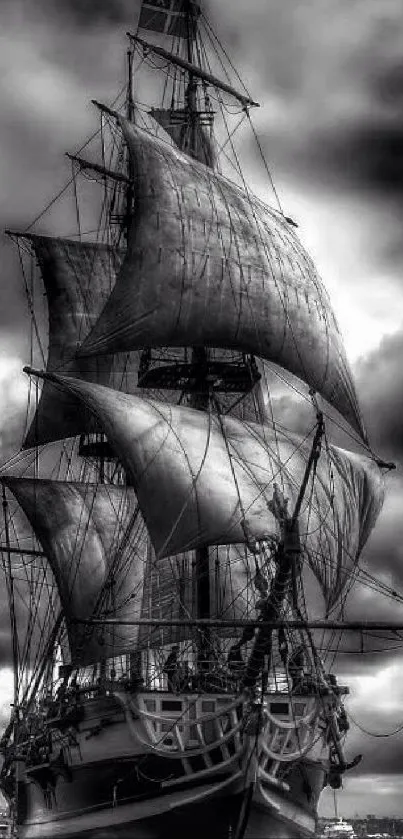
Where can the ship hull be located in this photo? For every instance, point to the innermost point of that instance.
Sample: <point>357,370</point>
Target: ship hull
<point>116,780</point>
<point>216,815</point>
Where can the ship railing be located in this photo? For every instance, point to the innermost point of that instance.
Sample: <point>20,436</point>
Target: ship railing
<point>204,733</point>
<point>290,731</point>
<point>209,733</point>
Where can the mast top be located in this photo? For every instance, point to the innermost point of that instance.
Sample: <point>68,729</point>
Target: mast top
<point>195,71</point>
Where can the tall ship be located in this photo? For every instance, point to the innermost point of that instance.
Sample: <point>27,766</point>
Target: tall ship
<point>179,526</point>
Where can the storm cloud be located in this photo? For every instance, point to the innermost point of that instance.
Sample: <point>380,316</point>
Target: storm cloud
<point>380,380</point>
<point>329,76</point>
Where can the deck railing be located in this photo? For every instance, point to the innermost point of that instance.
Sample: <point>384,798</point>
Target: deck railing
<point>212,733</point>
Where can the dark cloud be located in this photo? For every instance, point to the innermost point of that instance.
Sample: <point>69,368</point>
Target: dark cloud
<point>79,13</point>
<point>382,755</point>
<point>366,157</point>
<point>387,85</point>
<point>90,13</point>
<point>6,657</point>
<point>329,79</point>
<point>380,382</point>
<point>376,725</point>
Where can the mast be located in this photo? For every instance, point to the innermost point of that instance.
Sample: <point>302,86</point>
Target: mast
<point>200,398</point>
<point>191,92</point>
<point>286,576</point>
<point>129,196</point>
<point>100,448</point>
<point>11,599</point>
<point>174,59</point>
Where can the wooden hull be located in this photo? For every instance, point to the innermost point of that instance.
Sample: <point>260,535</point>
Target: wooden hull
<point>200,813</point>
<point>117,781</point>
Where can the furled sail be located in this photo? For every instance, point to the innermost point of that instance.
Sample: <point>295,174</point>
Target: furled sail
<point>201,479</point>
<point>84,530</point>
<point>168,594</point>
<point>186,136</point>
<point>78,279</point>
<point>209,264</point>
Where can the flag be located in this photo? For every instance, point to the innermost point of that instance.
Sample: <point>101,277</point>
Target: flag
<point>166,16</point>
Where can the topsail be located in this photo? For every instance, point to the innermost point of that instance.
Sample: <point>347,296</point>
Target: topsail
<point>208,264</point>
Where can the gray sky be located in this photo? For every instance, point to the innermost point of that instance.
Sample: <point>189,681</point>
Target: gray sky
<point>329,76</point>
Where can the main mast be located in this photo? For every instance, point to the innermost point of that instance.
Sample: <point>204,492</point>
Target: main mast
<point>202,375</point>
<point>200,399</point>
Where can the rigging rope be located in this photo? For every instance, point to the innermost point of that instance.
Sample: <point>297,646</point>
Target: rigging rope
<point>375,734</point>
<point>232,232</point>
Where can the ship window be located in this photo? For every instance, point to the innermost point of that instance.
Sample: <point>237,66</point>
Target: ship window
<point>150,704</point>
<point>299,709</point>
<point>208,705</point>
<point>279,708</point>
<point>171,705</point>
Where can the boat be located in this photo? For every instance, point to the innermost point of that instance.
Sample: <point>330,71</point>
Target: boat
<point>340,829</point>
<point>180,525</point>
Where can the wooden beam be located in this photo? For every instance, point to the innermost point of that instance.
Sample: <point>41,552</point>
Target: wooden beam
<point>348,626</point>
<point>196,71</point>
<point>19,551</point>
<point>95,167</point>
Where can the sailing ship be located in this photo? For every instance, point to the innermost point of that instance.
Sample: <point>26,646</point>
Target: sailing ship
<point>168,539</point>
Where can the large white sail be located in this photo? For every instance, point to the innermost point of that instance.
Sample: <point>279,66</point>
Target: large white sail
<point>201,479</point>
<point>208,264</point>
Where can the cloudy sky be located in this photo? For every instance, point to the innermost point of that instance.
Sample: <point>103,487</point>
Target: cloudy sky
<point>329,77</point>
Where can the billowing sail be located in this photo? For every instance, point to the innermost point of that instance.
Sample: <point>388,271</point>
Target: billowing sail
<point>208,264</point>
<point>78,279</point>
<point>94,541</point>
<point>201,479</point>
